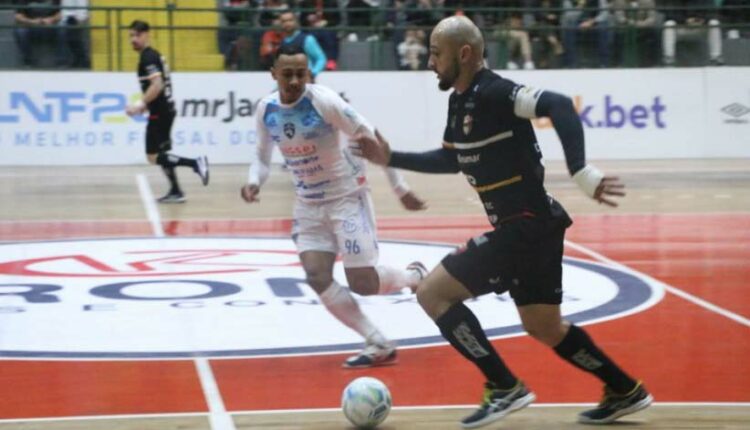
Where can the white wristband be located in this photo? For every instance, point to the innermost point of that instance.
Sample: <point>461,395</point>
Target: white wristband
<point>139,104</point>
<point>588,179</point>
<point>401,190</point>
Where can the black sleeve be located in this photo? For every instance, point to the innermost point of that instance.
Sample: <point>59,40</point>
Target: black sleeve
<point>561,111</point>
<point>438,161</point>
<point>151,63</point>
<point>501,95</point>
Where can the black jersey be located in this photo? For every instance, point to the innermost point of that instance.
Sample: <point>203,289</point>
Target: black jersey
<point>498,151</point>
<point>152,63</point>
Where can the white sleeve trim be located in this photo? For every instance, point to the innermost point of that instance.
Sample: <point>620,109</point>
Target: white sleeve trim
<point>588,179</point>
<point>260,159</point>
<point>398,184</point>
<point>526,99</point>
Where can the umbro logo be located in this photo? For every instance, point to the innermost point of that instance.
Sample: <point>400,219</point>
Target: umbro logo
<point>736,111</point>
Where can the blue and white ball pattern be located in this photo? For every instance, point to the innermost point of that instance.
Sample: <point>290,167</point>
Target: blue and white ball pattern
<point>366,402</point>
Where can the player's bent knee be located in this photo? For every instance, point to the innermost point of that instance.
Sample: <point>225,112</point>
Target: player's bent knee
<point>363,282</point>
<point>151,158</point>
<point>547,334</point>
<point>319,281</point>
<point>431,302</point>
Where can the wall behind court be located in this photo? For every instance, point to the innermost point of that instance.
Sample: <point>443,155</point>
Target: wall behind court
<point>49,118</point>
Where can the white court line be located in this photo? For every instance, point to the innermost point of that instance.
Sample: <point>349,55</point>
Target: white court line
<point>217,413</point>
<point>218,416</point>
<point>152,212</point>
<point>321,410</point>
<point>676,291</point>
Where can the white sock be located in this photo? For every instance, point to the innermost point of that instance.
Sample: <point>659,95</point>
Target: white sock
<point>394,280</point>
<point>341,304</point>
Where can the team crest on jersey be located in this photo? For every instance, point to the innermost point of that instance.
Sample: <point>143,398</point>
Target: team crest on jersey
<point>468,122</point>
<point>289,130</point>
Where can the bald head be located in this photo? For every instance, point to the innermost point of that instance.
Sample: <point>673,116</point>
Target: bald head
<point>456,49</point>
<point>459,31</point>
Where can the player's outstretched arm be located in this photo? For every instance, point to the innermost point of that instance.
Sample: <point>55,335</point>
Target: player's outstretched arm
<point>378,151</point>
<point>374,149</point>
<point>567,124</point>
<point>408,198</point>
<point>602,188</point>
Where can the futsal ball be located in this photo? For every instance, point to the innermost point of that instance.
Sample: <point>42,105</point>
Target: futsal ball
<point>366,402</point>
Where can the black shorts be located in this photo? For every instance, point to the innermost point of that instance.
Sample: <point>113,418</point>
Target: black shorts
<point>159,133</point>
<point>523,256</point>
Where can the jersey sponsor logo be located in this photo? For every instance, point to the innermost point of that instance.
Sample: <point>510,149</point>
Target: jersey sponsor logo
<point>302,161</point>
<point>298,150</point>
<point>468,159</point>
<point>306,172</point>
<point>314,196</point>
<point>188,297</point>
<point>311,186</point>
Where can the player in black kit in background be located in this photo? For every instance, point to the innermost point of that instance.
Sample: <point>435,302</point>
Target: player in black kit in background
<point>490,139</point>
<point>153,75</point>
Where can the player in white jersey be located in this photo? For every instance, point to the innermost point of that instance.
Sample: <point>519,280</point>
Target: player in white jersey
<point>333,213</point>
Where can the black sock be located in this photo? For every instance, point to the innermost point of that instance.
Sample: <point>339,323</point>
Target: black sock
<point>579,349</point>
<point>462,329</point>
<point>172,176</point>
<point>170,160</point>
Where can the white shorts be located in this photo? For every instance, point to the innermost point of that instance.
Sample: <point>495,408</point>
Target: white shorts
<point>343,226</point>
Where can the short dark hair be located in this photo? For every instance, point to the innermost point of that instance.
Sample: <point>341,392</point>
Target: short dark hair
<point>294,49</point>
<point>139,26</point>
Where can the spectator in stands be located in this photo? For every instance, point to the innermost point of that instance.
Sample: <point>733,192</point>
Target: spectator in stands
<point>464,7</point>
<point>294,36</point>
<point>234,40</point>
<point>547,23</point>
<point>74,16</point>
<point>269,43</point>
<point>412,51</point>
<point>690,19</point>
<point>517,37</point>
<point>586,15</point>
<point>321,16</point>
<point>735,15</point>
<point>270,10</point>
<point>36,20</point>
<point>425,13</point>
<point>360,13</point>
<point>639,20</point>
